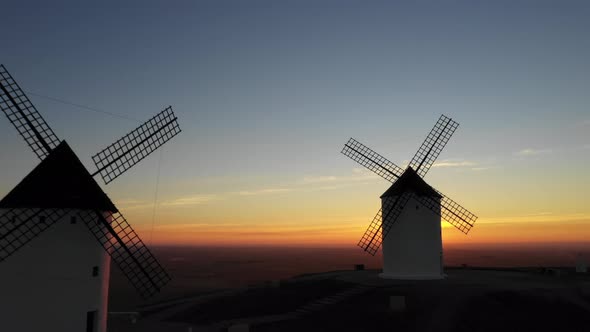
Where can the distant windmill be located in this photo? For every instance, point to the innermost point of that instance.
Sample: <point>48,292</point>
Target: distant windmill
<point>59,282</point>
<point>411,235</point>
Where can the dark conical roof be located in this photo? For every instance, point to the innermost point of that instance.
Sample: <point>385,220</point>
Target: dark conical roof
<point>59,181</point>
<point>410,181</point>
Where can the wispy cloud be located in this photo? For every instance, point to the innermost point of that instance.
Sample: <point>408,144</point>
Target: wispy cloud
<point>321,231</point>
<point>191,200</point>
<point>538,217</point>
<point>532,152</point>
<point>204,199</point>
<point>454,163</point>
<point>133,204</point>
<point>265,191</point>
<point>320,179</point>
<point>196,226</point>
<point>358,174</point>
<point>313,183</point>
<point>479,169</point>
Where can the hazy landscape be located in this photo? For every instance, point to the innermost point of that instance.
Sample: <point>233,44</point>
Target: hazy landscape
<point>200,269</point>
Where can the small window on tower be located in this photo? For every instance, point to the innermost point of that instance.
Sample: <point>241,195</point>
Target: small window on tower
<point>417,207</point>
<point>95,271</point>
<point>72,219</point>
<point>42,219</point>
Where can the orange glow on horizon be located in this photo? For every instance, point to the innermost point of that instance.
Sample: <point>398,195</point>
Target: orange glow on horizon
<point>348,234</point>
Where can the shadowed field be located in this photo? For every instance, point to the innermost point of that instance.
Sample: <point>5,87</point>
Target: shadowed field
<point>195,270</point>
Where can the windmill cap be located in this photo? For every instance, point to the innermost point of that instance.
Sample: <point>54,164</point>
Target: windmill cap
<point>59,181</point>
<point>410,181</point>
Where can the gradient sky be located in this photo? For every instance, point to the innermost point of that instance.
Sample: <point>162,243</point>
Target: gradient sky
<point>268,92</point>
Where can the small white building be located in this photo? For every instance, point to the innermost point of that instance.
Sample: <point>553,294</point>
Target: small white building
<point>59,280</point>
<point>413,247</point>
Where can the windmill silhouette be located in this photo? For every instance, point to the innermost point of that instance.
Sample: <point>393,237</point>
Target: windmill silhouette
<point>411,235</point>
<point>61,279</point>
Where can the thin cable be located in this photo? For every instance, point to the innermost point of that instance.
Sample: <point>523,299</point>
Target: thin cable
<point>83,107</point>
<point>65,102</point>
<point>156,197</point>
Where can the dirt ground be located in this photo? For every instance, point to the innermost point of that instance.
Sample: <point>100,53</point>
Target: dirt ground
<point>467,300</point>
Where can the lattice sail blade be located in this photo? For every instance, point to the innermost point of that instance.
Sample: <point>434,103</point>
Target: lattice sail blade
<point>128,251</point>
<point>372,160</point>
<point>382,223</point>
<point>433,145</point>
<point>138,144</point>
<point>19,226</point>
<point>24,116</point>
<point>450,211</point>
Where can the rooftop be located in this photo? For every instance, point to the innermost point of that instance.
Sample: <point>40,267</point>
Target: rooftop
<point>410,181</point>
<point>59,181</point>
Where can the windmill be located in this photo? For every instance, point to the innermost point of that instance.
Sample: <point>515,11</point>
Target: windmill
<point>408,223</point>
<point>59,281</point>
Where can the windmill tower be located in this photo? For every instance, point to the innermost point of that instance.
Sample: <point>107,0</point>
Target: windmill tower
<point>408,223</point>
<point>59,231</point>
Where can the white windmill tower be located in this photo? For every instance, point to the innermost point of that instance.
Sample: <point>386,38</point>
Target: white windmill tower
<point>405,224</point>
<point>59,281</point>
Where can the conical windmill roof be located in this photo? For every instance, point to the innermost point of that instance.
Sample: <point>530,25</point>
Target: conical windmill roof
<point>410,181</point>
<point>59,181</point>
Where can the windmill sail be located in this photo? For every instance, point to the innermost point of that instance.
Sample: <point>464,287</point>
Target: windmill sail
<point>382,222</point>
<point>24,116</point>
<point>18,226</point>
<point>422,161</point>
<point>450,211</point>
<point>120,156</point>
<point>127,250</point>
<point>34,205</point>
<point>372,160</point>
<point>433,145</point>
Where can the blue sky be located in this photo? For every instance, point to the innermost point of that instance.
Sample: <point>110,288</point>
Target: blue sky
<point>267,92</point>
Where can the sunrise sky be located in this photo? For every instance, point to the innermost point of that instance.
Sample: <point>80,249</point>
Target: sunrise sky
<point>267,93</point>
